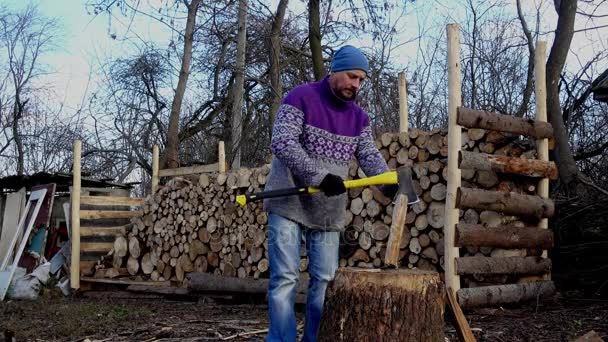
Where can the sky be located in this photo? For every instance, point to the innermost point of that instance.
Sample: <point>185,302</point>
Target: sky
<point>86,41</point>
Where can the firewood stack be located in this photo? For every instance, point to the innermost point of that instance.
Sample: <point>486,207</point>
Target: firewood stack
<point>194,224</point>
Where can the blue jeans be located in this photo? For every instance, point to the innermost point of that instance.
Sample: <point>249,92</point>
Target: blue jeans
<point>284,239</point>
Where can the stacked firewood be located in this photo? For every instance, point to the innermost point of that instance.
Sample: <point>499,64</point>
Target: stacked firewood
<point>194,224</point>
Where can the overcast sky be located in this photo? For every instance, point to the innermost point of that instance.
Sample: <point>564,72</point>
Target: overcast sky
<point>86,40</point>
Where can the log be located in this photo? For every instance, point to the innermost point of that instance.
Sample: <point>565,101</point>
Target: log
<point>506,265</point>
<point>415,311</point>
<point>132,265</point>
<point>508,203</point>
<point>356,206</point>
<point>210,283</point>
<point>487,179</point>
<point>504,164</point>
<point>146,264</point>
<point>502,236</point>
<point>134,249</point>
<point>438,192</point>
<point>436,214</point>
<point>120,246</point>
<point>504,294</point>
<point>505,123</point>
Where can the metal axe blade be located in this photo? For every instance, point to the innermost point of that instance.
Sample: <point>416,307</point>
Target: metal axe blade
<point>406,186</point>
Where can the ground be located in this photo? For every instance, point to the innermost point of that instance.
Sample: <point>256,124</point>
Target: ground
<point>121,316</point>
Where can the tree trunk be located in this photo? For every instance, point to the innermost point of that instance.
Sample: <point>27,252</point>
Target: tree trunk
<point>523,108</point>
<point>504,265</point>
<point>394,305</point>
<point>504,294</point>
<point>17,113</point>
<point>314,36</point>
<point>237,95</point>
<point>564,32</point>
<point>171,153</point>
<point>503,164</point>
<point>472,118</point>
<point>276,86</point>
<point>478,235</point>
<point>507,203</point>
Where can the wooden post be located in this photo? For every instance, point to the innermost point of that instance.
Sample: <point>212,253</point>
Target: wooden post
<point>154,169</point>
<point>542,147</point>
<point>75,236</point>
<point>452,279</point>
<point>391,256</point>
<point>222,157</point>
<point>402,103</point>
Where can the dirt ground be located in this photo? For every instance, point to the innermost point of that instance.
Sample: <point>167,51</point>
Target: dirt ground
<point>121,316</point>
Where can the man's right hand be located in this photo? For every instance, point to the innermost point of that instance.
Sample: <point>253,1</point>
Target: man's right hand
<point>332,185</point>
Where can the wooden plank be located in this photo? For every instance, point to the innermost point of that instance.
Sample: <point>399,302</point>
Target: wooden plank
<point>103,231</point>
<point>462,325</point>
<point>472,118</point>
<point>221,157</point>
<point>477,235</point>
<point>454,144</point>
<point>182,171</point>
<point>166,283</point>
<point>111,200</point>
<point>503,164</point>
<point>15,203</point>
<point>96,246</point>
<point>506,202</point>
<point>542,145</point>
<point>403,113</point>
<point>108,214</point>
<point>75,221</point>
<point>502,265</point>
<point>26,221</point>
<point>504,294</point>
<point>155,161</point>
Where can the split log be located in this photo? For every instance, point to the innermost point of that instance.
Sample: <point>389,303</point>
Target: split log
<point>508,203</point>
<point>416,300</point>
<point>505,123</point>
<point>502,236</point>
<point>504,294</point>
<point>507,265</point>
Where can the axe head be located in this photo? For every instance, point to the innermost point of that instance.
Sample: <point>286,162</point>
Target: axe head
<point>406,186</point>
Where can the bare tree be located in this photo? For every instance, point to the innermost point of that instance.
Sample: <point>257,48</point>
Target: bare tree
<point>276,86</point>
<point>237,96</point>
<point>171,152</point>
<point>564,32</point>
<point>25,36</point>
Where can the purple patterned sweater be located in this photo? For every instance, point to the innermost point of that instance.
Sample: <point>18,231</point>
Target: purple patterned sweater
<point>316,133</point>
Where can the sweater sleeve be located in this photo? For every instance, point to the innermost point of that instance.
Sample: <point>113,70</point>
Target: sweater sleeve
<point>369,158</point>
<point>285,145</point>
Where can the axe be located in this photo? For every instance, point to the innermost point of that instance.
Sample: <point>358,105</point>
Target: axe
<point>401,176</point>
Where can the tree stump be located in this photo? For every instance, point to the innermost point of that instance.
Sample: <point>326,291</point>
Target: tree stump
<point>383,305</point>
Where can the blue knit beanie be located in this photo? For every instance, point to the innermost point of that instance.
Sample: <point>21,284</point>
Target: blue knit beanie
<point>349,57</point>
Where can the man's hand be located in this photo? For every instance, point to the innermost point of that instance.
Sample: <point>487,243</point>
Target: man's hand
<point>332,185</point>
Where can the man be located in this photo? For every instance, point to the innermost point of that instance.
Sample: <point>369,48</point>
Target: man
<point>318,129</point>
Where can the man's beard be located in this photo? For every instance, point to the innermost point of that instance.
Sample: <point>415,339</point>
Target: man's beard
<point>344,97</point>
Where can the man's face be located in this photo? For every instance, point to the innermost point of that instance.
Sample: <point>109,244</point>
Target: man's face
<point>346,84</point>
